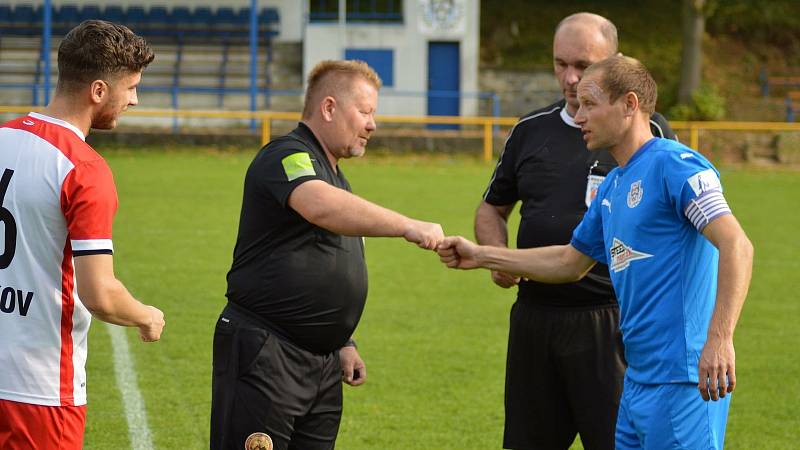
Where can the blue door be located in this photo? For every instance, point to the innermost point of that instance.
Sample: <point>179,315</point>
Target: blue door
<point>444,81</point>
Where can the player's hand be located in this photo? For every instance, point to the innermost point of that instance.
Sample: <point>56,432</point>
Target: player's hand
<point>151,331</point>
<point>425,234</point>
<point>717,369</point>
<point>354,372</point>
<point>504,280</point>
<point>458,253</point>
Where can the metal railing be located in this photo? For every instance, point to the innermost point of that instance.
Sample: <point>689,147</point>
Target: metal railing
<point>485,122</point>
<point>694,128</point>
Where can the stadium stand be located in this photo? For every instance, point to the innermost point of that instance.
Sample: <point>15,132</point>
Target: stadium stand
<point>769,81</point>
<point>786,85</point>
<point>200,50</point>
<point>792,105</point>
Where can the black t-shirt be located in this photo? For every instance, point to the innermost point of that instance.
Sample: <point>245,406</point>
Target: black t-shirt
<point>547,166</point>
<point>308,284</point>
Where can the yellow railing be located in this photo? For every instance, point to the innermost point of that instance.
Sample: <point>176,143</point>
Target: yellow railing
<point>695,127</point>
<point>487,123</point>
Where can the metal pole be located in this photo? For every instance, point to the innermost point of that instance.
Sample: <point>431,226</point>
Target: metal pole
<point>487,140</point>
<point>46,31</point>
<point>342,26</point>
<point>253,59</point>
<point>694,137</point>
<point>266,136</point>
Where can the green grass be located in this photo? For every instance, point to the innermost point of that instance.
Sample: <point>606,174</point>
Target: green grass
<point>434,340</point>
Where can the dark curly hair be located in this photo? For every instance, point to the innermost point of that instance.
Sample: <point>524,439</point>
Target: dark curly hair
<point>100,50</point>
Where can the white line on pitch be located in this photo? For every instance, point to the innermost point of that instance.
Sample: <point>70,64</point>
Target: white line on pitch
<point>135,412</point>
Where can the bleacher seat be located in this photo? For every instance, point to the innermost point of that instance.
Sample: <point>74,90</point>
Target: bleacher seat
<point>268,16</point>
<point>114,13</point>
<point>90,12</point>
<point>181,15</point>
<point>5,14</point>
<point>135,18</point>
<point>25,19</point>
<point>202,17</point>
<point>225,16</point>
<point>26,15</point>
<point>66,17</point>
<point>158,17</point>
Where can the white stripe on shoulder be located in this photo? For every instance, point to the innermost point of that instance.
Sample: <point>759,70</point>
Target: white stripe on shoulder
<point>511,133</point>
<point>58,122</point>
<point>81,245</point>
<point>525,119</point>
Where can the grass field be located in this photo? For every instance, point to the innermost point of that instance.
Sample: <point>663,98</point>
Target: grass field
<point>434,340</point>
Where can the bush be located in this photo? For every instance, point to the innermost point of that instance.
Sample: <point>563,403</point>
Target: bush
<point>707,104</point>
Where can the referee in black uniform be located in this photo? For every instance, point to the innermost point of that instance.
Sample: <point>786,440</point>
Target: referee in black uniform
<point>565,361</point>
<point>298,283</point>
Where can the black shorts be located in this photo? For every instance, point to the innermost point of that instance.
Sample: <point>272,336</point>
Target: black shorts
<point>564,376</point>
<point>263,384</point>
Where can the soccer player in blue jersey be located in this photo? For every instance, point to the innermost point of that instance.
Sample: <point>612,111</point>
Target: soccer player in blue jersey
<point>679,262</point>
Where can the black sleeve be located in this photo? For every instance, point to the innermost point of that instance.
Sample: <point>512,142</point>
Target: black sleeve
<point>279,170</point>
<point>502,188</point>
<point>660,127</point>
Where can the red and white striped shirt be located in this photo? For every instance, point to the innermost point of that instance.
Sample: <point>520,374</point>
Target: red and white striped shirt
<point>57,200</point>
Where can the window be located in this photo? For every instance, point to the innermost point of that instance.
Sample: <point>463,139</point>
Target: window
<point>377,11</point>
<point>381,61</point>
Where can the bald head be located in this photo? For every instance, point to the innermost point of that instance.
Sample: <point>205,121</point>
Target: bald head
<point>591,24</point>
<point>580,40</point>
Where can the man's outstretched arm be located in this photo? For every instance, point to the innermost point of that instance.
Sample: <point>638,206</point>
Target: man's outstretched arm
<point>554,264</point>
<point>341,212</point>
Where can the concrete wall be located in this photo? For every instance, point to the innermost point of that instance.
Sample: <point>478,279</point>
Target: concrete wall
<point>521,92</point>
<point>410,43</point>
<point>290,11</point>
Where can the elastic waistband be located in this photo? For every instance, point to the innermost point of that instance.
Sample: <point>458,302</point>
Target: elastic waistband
<point>536,304</point>
<point>242,314</point>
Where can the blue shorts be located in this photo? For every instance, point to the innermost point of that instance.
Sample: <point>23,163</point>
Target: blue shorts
<point>667,416</point>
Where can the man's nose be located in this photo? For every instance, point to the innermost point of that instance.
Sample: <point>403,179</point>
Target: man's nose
<point>573,75</point>
<point>580,117</point>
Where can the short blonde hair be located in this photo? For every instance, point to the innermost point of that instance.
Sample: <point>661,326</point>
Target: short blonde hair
<point>334,77</point>
<point>622,74</point>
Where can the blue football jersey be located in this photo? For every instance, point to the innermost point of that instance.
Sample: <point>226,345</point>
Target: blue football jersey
<point>663,269</point>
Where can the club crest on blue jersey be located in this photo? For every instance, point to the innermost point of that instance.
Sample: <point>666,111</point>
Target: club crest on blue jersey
<point>635,194</point>
<point>622,255</point>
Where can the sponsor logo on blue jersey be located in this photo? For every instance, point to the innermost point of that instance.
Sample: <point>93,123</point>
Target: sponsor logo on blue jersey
<point>622,255</point>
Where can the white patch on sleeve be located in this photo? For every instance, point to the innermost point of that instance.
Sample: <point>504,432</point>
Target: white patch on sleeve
<point>704,181</point>
<point>686,155</point>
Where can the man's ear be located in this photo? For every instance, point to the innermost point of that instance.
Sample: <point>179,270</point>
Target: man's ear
<point>98,91</point>
<point>327,107</point>
<point>631,104</point>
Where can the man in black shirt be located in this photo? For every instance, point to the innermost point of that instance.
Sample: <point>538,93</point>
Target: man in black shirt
<point>565,360</point>
<point>298,283</point>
